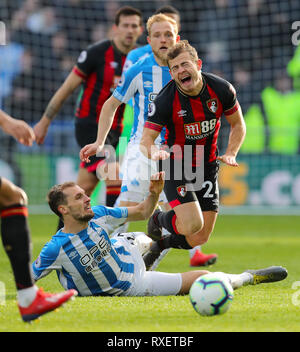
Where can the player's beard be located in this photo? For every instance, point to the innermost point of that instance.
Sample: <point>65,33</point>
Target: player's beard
<point>161,56</point>
<point>83,218</point>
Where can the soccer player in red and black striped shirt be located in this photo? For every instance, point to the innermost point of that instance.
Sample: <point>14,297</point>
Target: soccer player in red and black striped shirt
<point>98,70</point>
<point>190,107</point>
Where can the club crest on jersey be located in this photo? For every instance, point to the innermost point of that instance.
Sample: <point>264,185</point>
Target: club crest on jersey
<point>212,104</point>
<point>182,190</point>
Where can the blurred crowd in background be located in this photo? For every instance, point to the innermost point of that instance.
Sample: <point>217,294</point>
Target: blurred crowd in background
<point>248,42</point>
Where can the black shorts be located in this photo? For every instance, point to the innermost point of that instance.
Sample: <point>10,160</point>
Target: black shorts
<point>87,134</point>
<point>177,191</point>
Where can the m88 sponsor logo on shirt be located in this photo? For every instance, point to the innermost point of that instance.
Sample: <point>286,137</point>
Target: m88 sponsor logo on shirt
<point>199,129</point>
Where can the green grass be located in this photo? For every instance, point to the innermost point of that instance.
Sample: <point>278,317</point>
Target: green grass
<point>241,242</point>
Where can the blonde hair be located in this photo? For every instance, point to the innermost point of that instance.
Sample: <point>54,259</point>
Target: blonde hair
<point>161,18</point>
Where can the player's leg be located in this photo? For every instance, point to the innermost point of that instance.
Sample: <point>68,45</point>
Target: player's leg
<point>203,204</point>
<point>87,180</point>
<point>109,172</point>
<point>165,207</point>
<point>167,220</point>
<point>208,197</point>
<point>255,277</point>
<point>112,192</point>
<point>153,283</point>
<point>164,284</point>
<point>15,232</point>
<point>186,216</point>
<point>188,278</point>
<point>17,244</point>
<point>197,257</point>
<point>177,240</point>
<point>203,235</point>
<point>184,219</point>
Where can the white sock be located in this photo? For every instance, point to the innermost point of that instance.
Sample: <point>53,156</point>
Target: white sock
<point>26,296</point>
<point>193,250</point>
<point>239,280</point>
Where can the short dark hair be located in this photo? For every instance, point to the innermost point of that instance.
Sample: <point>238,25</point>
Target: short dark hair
<point>56,196</point>
<point>128,11</point>
<point>167,9</point>
<point>181,47</point>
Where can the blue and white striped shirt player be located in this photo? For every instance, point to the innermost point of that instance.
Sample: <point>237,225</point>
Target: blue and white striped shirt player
<point>137,54</point>
<point>90,261</point>
<point>134,56</point>
<point>142,82</point>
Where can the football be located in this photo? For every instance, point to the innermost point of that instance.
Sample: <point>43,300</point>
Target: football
<point>211,294</point>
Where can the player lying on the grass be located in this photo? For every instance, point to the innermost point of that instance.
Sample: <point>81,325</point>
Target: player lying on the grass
<point>15,234</point>
<point>88,260</point>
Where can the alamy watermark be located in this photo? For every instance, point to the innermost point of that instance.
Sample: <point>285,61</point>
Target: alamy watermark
<point>177,165</point>
<point>296,35</point>
<point>2,33</point>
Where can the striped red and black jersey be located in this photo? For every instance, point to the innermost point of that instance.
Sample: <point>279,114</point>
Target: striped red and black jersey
<point>193,120</point>
<point>101,65</point>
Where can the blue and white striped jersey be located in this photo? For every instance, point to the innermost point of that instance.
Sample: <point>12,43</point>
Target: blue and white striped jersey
<point>90,261</point>
<point>142,82</point>
<point>137,54</point>
<point>134,56</point>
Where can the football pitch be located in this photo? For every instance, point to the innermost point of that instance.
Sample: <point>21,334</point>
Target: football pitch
<point>242,242</point>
